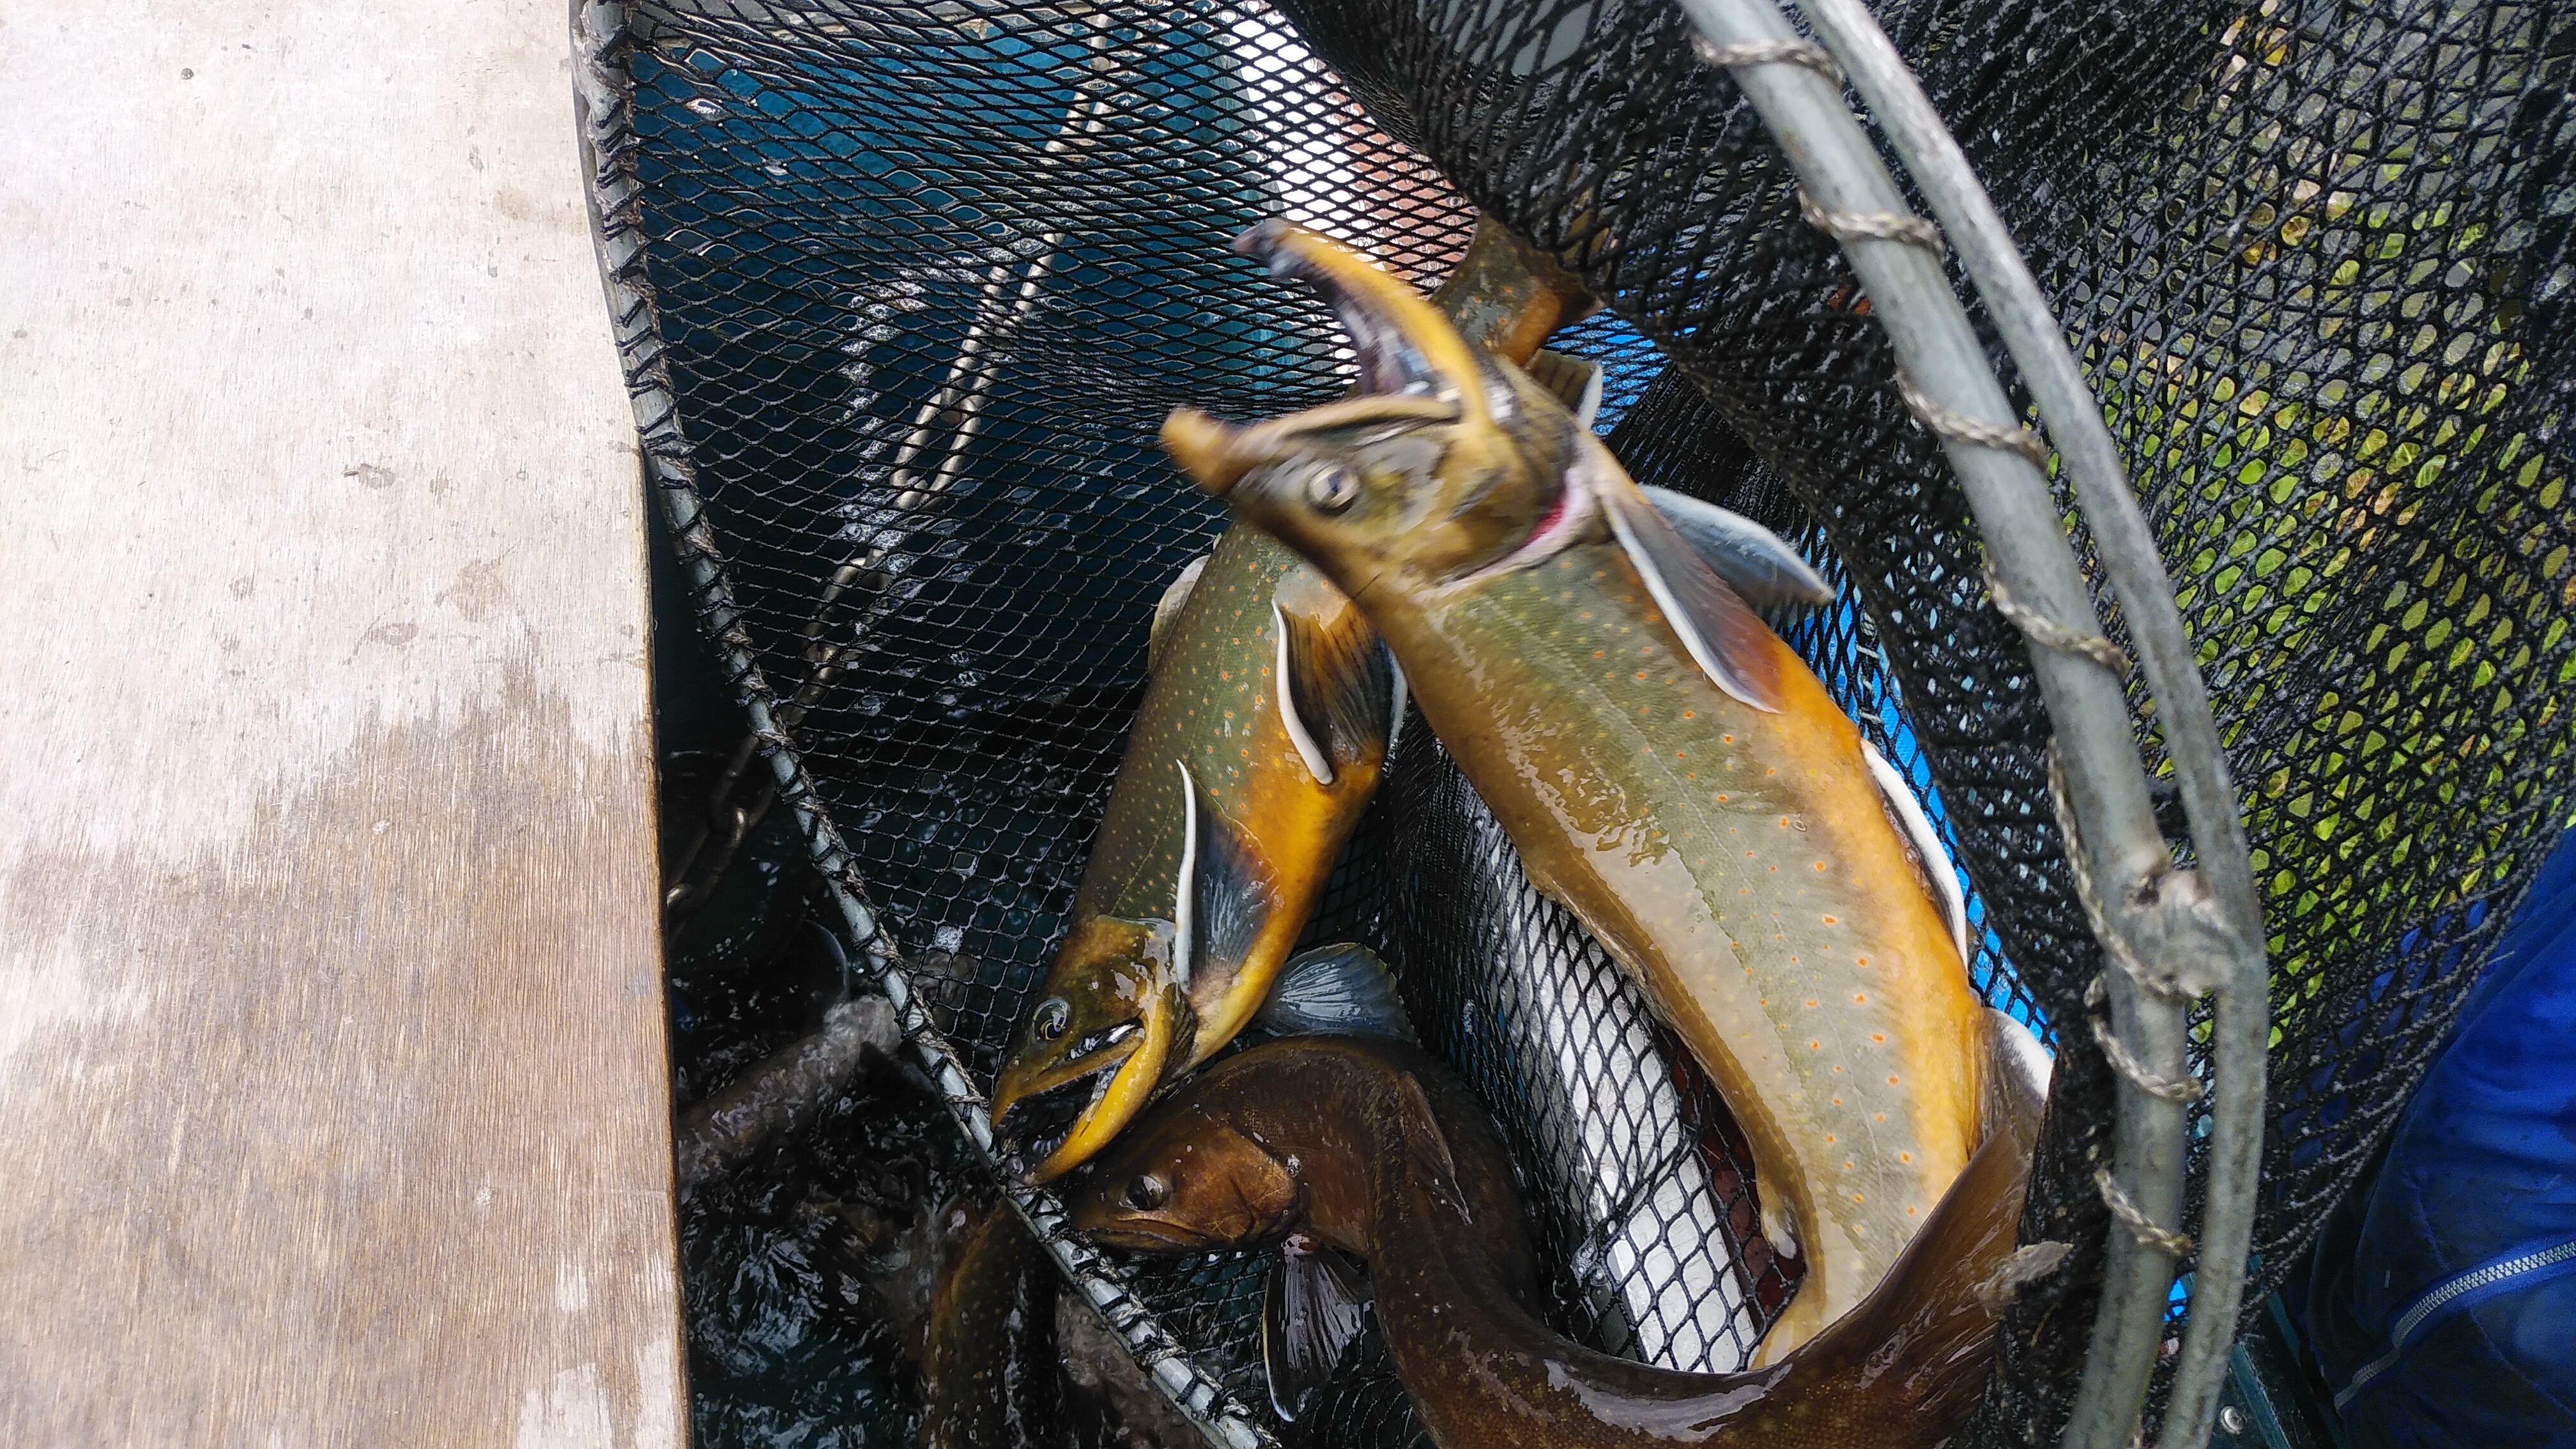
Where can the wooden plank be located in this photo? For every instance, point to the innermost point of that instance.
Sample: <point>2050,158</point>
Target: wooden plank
<point>331,1033</point>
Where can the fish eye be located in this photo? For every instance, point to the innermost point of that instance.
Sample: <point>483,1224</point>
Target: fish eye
<point>1332,487</point>
<point>1053,1016</point>
<point>1146,1192</point>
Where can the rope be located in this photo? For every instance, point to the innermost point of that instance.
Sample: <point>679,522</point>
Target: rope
<point>1848,226</point>
<point>1959,427</point>
<point>1735,54</point>
<point>2140,1226</point>
<point>2047,633</point>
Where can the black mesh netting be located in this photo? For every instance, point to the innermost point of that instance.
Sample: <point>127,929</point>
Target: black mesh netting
<point>930,274</point>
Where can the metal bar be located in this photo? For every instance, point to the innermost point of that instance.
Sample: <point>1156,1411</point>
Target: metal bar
<point>1848,193</point>
<point>2127,549</point>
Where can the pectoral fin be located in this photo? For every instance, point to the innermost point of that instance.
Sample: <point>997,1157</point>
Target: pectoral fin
<point>1931,861</point>
<point>1576,383</point>
<point>1311,1310</point>
<point>1335,989</point>
<point>1723,634</point>
<point>1167,608</point>
<point>2017,1072</point>
<point>1225,893</point>
<point>1337,691</point>
<point>1757,562</point>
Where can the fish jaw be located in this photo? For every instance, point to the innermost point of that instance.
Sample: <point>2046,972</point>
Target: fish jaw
<point>1448,460</point>
<point>1111,1015</point>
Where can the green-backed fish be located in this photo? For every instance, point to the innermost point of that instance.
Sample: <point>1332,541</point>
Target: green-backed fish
<point>1366,1146</point>
<point>1268,711</point>
<point>1669,769</point>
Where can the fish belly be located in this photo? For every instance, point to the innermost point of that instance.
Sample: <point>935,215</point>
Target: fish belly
<point>1740,865</point>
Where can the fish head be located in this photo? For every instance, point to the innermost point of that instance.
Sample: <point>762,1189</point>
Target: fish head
<point>1447,462</point>
<point>1111,1019</point>
<point>1188,1179</point>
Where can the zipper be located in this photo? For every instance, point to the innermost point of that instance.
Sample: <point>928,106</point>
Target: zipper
<point>2443,1295</point>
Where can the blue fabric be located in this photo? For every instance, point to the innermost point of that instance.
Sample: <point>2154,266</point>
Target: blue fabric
<point>2445,1288</point>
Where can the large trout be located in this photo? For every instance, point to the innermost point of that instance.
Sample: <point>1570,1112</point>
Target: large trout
<point>1369,1147</point>
<point>1669,769</point>
<point>1268,710</point>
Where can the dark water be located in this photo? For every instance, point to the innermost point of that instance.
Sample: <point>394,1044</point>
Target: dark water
<point>787,1265</point>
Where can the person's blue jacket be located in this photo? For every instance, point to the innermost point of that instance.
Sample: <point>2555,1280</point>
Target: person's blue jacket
<point>2442,1299</point>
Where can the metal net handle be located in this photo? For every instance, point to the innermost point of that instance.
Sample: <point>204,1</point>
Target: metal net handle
<point>2172,935</point>
<point>604,101</point>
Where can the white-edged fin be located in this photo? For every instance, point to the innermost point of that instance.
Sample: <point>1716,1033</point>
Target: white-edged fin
<point>1311,1309</point>
<point>1757,562</point>
<point>1185,887</point>
<point>1575,382</point>
<point>1775,1224</point>
<point>1336,679</point>
<point>1395,715</point>
<point>1931,862</point>
<point>1723,634</point>
<point>1226,889</point>
<point>2017,1073</point>
<point>1168,607</point>
<point>1318,763</point>
<point>1335,990</point>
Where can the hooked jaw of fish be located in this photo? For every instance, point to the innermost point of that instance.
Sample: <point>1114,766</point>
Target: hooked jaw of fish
<point>1447,463</point>
<point>1093,1051</point>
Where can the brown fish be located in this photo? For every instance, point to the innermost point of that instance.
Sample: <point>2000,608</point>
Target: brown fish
<point>1268,712</point>
<point>1669,769</point>
<point>1373,1148</point>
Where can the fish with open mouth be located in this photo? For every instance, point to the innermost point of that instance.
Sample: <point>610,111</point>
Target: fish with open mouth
<point>1671,772</point>
<point>1370,1148</point>
<point>1268,711</point>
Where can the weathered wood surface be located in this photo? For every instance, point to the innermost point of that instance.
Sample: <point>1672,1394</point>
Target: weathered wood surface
<point>333,1096</point>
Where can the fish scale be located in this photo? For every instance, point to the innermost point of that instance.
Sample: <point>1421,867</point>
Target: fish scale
<point>1740,864</point>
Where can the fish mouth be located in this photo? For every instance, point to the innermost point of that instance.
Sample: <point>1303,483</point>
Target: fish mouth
<point>1414,367</point>
<point>1403,344</point>
<point>1046,1127</point>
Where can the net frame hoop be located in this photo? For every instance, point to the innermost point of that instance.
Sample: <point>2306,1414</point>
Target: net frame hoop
<point>603,35</point>
<point>2206,937</point>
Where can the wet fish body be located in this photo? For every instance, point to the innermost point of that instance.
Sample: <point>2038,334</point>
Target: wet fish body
<point>1616,1164</point>
<point>1268,712</point>
<point>1372,1148</point>
<point>1669,769</point>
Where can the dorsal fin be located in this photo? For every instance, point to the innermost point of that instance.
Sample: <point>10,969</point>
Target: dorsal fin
<point>1575,382</point>
<point>1931,862</point>
<point>1722,633</point>
<point>1333,990</point>
<point>1224,894</point>
<point>1168,607</point>
<point>1336,680</point>
<point>1759,564</point>
<point>1311,1310</point>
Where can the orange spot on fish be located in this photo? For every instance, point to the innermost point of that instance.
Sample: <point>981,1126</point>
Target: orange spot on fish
<point>1830,921</point>
<point>1905,1157</point>
<point>1811,1001</point>
<point>1815,1046</point>
<point>1729,739</point>
<point>1891,1081</point>
<point>1864,960</point>
<point>1690,714</point>
<point>1859,998</point>
<point>1878,1036</point>
<point>1856,1197</point>
<point>1820,865</point>
<point>1830,1137</point>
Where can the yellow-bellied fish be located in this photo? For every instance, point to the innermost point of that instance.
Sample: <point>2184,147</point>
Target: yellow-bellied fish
<point>1268,711</point>
<point>1669,769</point>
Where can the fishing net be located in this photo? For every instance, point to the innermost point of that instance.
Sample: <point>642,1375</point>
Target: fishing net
<point>908,288</point>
